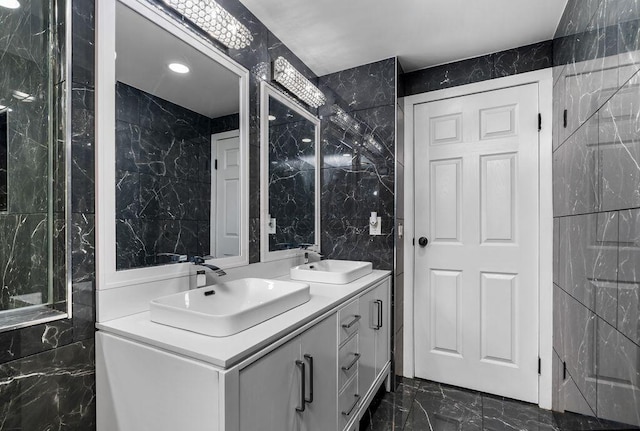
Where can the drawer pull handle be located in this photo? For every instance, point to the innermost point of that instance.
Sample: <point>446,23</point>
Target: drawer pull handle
<point>355,361</point>
<point>303,373</point>
<point>355,320</point>
<point>353,406</point>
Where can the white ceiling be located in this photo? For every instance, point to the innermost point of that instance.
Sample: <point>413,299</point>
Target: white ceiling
<point>143,52</point>
<point>333,35</point>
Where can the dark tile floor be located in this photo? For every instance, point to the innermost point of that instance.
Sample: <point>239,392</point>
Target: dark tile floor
<point>419,405</point>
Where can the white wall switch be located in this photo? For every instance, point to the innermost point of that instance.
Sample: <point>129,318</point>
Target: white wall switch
<point>272,226</point>
<point>375,228</point>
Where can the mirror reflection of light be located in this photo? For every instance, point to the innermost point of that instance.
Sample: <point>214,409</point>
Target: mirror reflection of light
<point>10,4</point>
<point>186,300</point>
<point>306,140</point>
<point>272,118</point>
<point>22,96</point>
<point>179,68</point>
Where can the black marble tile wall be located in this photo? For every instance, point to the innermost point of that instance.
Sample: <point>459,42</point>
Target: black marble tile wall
<point>163,178</point>
<point>47,377</point>
<point>510,62</point>
<point>358,162</point>
<point>596,178</point>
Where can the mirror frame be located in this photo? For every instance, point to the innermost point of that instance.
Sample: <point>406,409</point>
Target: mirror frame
<point>267,91</point>
<point>107,276</point>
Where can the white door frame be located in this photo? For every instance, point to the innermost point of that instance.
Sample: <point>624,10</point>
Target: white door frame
<point>544,79</point>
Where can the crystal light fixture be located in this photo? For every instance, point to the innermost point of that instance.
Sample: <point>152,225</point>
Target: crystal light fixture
<point>289,77</point>
<point>215,20</point>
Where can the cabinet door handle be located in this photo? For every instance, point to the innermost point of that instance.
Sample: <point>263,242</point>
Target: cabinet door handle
<point>353,406</point>
<point>301,367</point>
<point>379,310</point>
<point>355,320</point>
<point>352,363</point>
<point>309,359</point>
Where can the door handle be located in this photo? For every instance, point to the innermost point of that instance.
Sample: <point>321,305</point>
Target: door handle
<point>303,373</point>
<point>309,359</point>
<point>423,241</point>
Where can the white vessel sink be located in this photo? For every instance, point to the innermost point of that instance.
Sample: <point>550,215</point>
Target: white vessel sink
<point>331,271</point>
<point>227,308</point>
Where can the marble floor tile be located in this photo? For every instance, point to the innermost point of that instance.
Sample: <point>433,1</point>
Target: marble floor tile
<point>420,405</point>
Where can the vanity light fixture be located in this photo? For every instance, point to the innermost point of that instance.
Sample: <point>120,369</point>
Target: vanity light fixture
<point>289,77</point>
<point>215,20</point>
<point>10,4</point>
<point>179,68</point>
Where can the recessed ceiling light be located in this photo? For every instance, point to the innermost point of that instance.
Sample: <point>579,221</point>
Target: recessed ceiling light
<point>10,4</point>
<point>179,68</point>
<point>272,118</point>
<point>306,140</point>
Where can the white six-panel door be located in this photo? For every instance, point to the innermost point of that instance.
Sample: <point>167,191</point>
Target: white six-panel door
<point>226,235</point>
<point>476,281</point>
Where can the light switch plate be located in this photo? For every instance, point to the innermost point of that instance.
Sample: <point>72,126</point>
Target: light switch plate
<point>272,226</point>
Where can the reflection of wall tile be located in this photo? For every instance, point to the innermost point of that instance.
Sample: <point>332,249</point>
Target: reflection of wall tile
<point>575,168</point>
<point>588,261</point>
<point>619,149</point>
<point>628,269</point>
<point>618,376</point>
<point>579,326</point>
<point>163,182</point>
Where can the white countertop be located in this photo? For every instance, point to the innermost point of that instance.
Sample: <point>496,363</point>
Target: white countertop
<point>225,352</point>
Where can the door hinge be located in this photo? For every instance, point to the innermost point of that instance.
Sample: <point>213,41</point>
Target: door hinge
<point>215,164</point>
<point>539,365</point>
<point>539,122</point>
<point>564,370</point>
<point>564,118</point>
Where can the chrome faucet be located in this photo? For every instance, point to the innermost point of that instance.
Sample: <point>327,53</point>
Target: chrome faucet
<point>311,249</point>
<point>200,261</point>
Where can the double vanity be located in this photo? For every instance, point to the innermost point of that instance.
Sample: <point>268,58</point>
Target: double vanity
<point>250,354</point>
<point>269,346</point>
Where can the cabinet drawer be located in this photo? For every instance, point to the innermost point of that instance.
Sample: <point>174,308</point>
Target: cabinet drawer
<point>348,402</point>
<point>349,321</point>
<point>348,358</point>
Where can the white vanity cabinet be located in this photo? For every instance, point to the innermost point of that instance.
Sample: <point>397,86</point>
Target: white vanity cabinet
<point>374,335</point>
<point>313,371</point>
<point>293,388</point>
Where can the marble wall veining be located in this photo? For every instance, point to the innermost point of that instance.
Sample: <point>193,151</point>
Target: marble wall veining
<point>163,179</point>
<point>47,377</point>
<point>497,65</point>
<point>358,162</point>
<point>596,178</point>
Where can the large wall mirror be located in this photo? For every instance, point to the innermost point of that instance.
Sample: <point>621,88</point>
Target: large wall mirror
<point>290,200</point>
<point>179,150</point>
